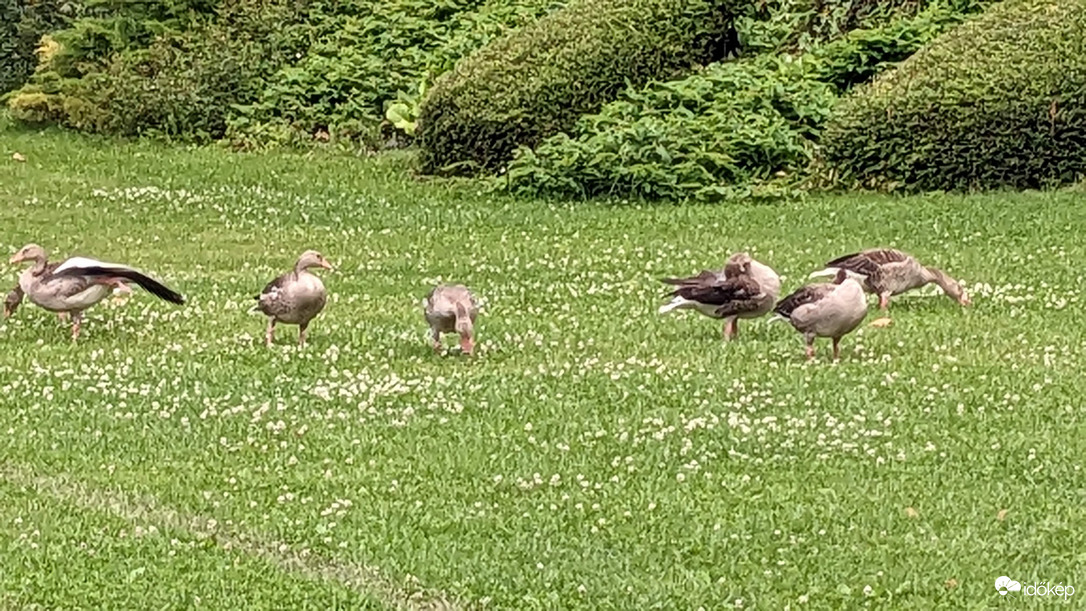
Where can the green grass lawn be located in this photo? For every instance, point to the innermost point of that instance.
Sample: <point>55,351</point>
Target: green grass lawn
<point>593,454</point>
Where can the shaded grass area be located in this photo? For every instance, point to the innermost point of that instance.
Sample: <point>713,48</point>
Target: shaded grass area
<point>594,454</point>
<point>59,554</point>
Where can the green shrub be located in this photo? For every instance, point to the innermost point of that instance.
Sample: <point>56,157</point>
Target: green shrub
<point>368,54</point>
<point>796,26</point>
<point>999,101</point>
<point>22,24</point>
<point>176,71</point>
<point>181,87</point>
<point>287,69</point>
<point>722,133</point>
<point>745,128</point>
<point>541,78</point>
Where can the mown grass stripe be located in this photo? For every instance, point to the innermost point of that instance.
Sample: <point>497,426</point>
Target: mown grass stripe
<point>145,509</point>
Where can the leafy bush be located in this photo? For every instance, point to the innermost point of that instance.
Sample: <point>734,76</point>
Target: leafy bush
<point>745,128</point>
<point>999,101</point>
<point>541,78</point>
<point>173,72</point>
<point>710,136</point>
<point>367,55</point>
<point>22,24</point>
<point>288,69</point>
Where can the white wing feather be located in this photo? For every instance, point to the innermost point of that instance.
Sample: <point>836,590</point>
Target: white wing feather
<point>84,263</point>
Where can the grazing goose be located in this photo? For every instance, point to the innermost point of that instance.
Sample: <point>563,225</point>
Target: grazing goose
<point>745,288</point>
<point>886,272</point>
<point>73,285</point>
<point>825,310</point>
<point>294,298</point>
<point>451,309</point>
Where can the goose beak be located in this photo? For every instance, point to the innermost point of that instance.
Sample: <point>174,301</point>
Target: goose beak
<point>965,300</point>
<point>327,265</point>
<point>15,258</point>
<point>467,345</point>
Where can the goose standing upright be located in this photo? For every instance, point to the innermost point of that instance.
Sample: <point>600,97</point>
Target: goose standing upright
<point>451,309</point>
<point>294,298</point>
<point>825,310</point>
<point>887,272</point>
<point>745,288</point>
<point>73,285</point>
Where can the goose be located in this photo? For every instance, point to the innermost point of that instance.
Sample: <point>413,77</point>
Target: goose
<point>71,286</point>
<point>825,310</point>
<point>744,288</point>
<point>294,298</point>
<point>887,272</point>
<point>451,309</point>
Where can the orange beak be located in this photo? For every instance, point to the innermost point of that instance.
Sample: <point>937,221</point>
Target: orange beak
<point>467,344</point>
<point>965,301</point>
<point>15,258</point>
<point>326,265</point>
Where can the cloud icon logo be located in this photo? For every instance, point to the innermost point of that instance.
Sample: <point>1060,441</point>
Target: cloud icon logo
<point>1005,584</point>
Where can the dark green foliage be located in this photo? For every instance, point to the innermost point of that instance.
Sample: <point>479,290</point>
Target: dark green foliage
<point>22,24</point>
<point>998,102</point>
<point>861,54</point>
<point>712,135</point>
<point>181,82</point>
<point>745,128</point>
<point>255,71</point>
<point>365,52</point>
<point>181,87</point>
<point>540,79</point>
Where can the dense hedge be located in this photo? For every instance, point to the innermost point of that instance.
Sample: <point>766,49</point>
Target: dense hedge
<point>22,24</point>
<point>541,78</point>
<point>998,102</point>
<point>744,128</point>
<point>366,54</point>
<point>710,136</point>
<point>173,69</point>
<point>255,71</point>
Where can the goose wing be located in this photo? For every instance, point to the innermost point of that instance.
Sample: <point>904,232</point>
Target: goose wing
<point>91,269</point>
<point>720,293</point>
<point>804,295</point>
<point>868,262</point>
<point>706,277</point>
<point>270,300</point>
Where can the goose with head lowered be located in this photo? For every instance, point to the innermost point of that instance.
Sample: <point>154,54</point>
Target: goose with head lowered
<point>745,288</point>
<point>825,310</point>
<point>451,308</point>
<point>71,286</point>
<point>887,272</point>
<point>294,298</point>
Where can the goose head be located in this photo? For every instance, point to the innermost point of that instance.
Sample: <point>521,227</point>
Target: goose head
<point>466,330</point>
<point>311,259</point>
<point>30,252</point>
<point>738,264</point>
<point>950,286</point>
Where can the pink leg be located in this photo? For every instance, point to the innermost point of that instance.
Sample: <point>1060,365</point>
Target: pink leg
<point>884,301</point>
<point>837,348</point>
<point>63,316</point>
<point>435,340</point>
<point>730,330</point>
<point>810,350</point>
<point>77,324</point>
<point>269,335</point>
